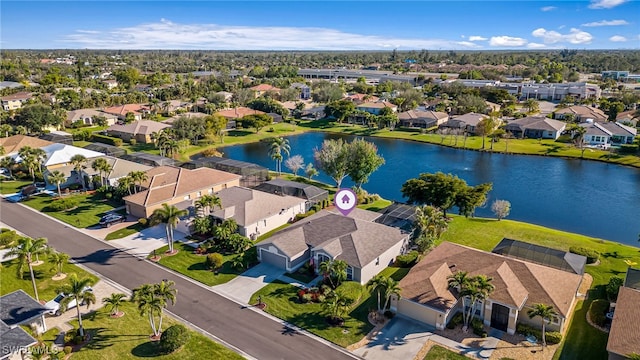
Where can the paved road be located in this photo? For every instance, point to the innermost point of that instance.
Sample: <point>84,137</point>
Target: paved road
<point>255,334</point>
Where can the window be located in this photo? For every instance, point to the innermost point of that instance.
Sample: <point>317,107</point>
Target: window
<point>349,273</point>
<point>199,193</point>
<point>555,320</point>
<point>378,261</point>
<point>210,191</point>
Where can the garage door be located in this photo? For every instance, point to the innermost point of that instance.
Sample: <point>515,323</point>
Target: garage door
<point>273,259</point>
<point>417,312</point>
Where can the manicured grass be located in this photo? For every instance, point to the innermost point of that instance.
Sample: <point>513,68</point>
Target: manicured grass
<point>376,205</point>
<point>396,273</point>
<point>13,186</point>
<point>303,278</point>
<point>582,341</point>
<point>46,287</point>
<point>128,338</point>
<point>438,352</point>
<point>88,212</point>
<point>268,234</point>
<point>282,302</point>
<point>188,263</point>
<point>129,230</point>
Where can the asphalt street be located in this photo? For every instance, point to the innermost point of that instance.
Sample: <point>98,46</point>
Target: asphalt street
<point>257,335</point>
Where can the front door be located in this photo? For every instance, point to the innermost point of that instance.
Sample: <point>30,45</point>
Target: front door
<point>499,317</point>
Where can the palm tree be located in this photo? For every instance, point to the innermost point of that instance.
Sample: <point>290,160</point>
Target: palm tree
<point>337,304</point>
<point>138,178</point>
<point>126,182</point>
<point>165,291</point>
<point>202,225</point>
<point>546,313</point>
<point>78,161</point>
<point>56,177</point>
<point>480,290</point>
<point>28,160</point>
<point>99,165</point>
<point>430,223</point>
<point>578,139</point>
<point>78,290</point>
<point>148,304</point>
<point>391,287</point>
<point>339,271</point>
<point>278,146</point>
<point>377,284</point>
<point>207,202</point>
<point>8,163</point>
<point>58,260</point>
<point>24,252</point>
<point>224,230</point>
<point>461,282</point>
<point>113,303</point>
<point>170,216</point>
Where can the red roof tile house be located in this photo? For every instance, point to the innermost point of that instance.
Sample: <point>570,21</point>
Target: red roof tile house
<point>262,89</point>
<point>427,297</point>
<point>239,112</point>
<point>121,111</point>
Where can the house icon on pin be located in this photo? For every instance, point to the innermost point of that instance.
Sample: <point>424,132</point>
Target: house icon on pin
<point>345,199</point>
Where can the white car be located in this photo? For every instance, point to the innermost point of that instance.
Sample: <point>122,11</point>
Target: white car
<point>53,306</point>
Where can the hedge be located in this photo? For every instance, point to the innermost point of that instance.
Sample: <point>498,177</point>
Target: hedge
<point>63,204</point>
<point>628,149</point>
<point>174,338</point>
<point>552,337</point>
<point>592,255</point>
<point>106,140</point>
<point>407,260</point>
<point>598,310</point>
<point>456,320</point>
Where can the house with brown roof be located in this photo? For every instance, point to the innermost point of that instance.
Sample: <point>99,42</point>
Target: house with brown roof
<point>361,98</point>
<point>262,89</point>
<point>14,143</point>
<point>88,116</point>
<point>624,337</point>
<point>257,212</point>
<point>466,122</point>
<point>15,101</point>
<point>139,130</point>
<point>421,119</point>
<point>519,284</point>
<point>536,127</point>
<point>172,185</point>
<point>121,111</point>
<point>238,112</point>
<point>366,246</point>
<point>375,107</point>
<point>581,113</point>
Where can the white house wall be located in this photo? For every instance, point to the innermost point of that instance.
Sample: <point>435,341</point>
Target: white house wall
<point>272,222</point>
<point>382,262</point>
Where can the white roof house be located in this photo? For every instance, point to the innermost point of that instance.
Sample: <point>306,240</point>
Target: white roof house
<point>61,154</point>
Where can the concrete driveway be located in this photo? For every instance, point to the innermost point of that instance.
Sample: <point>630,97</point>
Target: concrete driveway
<point>401,339</point>
<point>143,243</point>
<point>100,232</point>
<point>246,284</point>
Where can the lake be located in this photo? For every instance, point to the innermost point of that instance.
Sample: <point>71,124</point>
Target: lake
<point>586,197</point>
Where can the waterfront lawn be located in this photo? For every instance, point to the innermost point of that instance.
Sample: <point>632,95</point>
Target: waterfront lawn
<point>43,274</point>
<point>186,262</point>
<point>582,341</point>
<point>438,352</point>
<point>13,186</point>
<point>88,212</point>
<point>376,205</point>
<point>129,230</point>
<point>128,337</point>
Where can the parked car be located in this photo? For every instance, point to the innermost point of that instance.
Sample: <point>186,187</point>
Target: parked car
<point>53,306</point>
<point>40,186</point>
<point>111,219</point>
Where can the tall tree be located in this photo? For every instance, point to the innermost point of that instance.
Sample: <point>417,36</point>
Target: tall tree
<point>471,197</point>
<point>295,164</point>
<point>256,121</point>
<point>501,208</point>
<point>79,290</point>
<point>310,171</point>
<point>363,161</point>
<point>8,163</point>
<point>168,215</point>
<point>391,288</point>
<point>437,189</point>
<point>333,159</point>
<point>166,291</point>
<point>579,139</point>
<point>78,161</point>
<point>24,252</point>
<point>546,314</point>
<point>149,305</point>
<point>208,202</point>
<point>58,260</point>
<point>56,177</point>
<point>138,178</point>
<point>99,165</point>
<point>113,303</point>
<point>430,223</point>
<point>377,284</point>
<point>278,146</point>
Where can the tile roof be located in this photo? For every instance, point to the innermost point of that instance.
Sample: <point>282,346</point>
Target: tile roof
<point>470,118</point>
<point>516,282</point>
<point>363,97</point>
<point>624,337</point>
<point>633,278</point>
<point>248,206</point>
<point>420,114</point>
<point>583,112</point>
<point>124,109</point>
<point>13,144</point>
<point>536,123</point>
<point>144,127</point>
<point>264,87</point>
<point>356,241</point>
<point>168,182</point>
<point>17,96</point>
<point>239,112</point>
<point>75,115</point>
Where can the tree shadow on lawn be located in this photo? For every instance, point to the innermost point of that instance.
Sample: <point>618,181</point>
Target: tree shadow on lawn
<point>615,255</point>
<point>482,220</point>
<point>235,133</point>
<point>103,338</point>
<point>147,349</point>
<point>552,148</point>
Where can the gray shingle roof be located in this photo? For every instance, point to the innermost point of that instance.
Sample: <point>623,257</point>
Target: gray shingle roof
<point>536,123</point>
<point>13,339</point>
<point>18,307</point>
<point>292,188</point>
<point>633,278</point>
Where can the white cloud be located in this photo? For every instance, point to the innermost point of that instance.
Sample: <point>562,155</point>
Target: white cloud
<point>605,4</point>
<point>575,36</point>
<point>618,38</point>
<point>536,46</point>
<point>606,23</point>
<point>548,8</point>
<point>477,38</point>
<point>166,34</point>
<point>507,41</point>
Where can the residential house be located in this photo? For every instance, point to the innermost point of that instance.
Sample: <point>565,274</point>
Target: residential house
<point>629,118</point>
<point>121,111</point>
<point>366,246</point>
<point>262,89</point>
<point>519,284</point>
<point>581,113</point>
<point>466,122</point>
<point>305,90</point>
<point>421,119</point>
<point>140,130</point>
<point>145,88</point>
<point>238,112</point>
<point>228,96</point>
<point>624,337</point>
<point>175,106</point>
<point>362,98</point>
<point>119,169</point>
<point>375,107</point>
<point>313,113</point>
<point>252,174</point>
<point>88,116</point>
<point>536,127</point>
<point>172,119</point>
<point>58,136</point>
<point>150,159</point>
<point>492,107</point>
<point>172,185</point>
<point>257,212</point>
<point>110,84</point>
<point>58,155</point>
<point>19,309</point>
<point>14,143</point>
<point>399,216</point>
<point>312,194</point>
<point>15,101</point>
<point>608,133</point>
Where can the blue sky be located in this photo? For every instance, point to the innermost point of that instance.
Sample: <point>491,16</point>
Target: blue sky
<point>320,25</point>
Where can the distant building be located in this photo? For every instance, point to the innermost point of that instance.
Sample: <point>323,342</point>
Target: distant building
<point>15,101</point>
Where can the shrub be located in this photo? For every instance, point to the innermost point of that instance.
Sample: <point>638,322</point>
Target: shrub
<point>211,153</point>
<point>82,135</point>
<point>106,140</point>
<point>456,320</point>
<point>72,337</point>
<point>598,310</point>
<point>63,204</point>
<point>553,337</point>
<point>628,149</point>
<point>592,255</point>
<point>407,260</point>
<point>478,328</point>
<point>214,261</point>
<point>174,338</point>
<point>67,350</point>
<point>143,221</point>
<point>613,287</point>
<point>133,142</point>
<point>307,297</point>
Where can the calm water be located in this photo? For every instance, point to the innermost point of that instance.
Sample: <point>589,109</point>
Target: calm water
<point>585,197</point>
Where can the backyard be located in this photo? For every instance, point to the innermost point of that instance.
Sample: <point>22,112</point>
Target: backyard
<point>88,212</point>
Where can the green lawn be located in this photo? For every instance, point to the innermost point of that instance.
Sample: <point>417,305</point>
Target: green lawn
<point>88,212</point>
<point>303,278</point>
<point>438,352</point>
<point>188,263</point>
<point>129,230</point>
<point>582,341</point>
<point>9,281</point>
<point>268,234</point>
<point>128,338</point>
<point>376,205</point>
<point>13,186</point>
